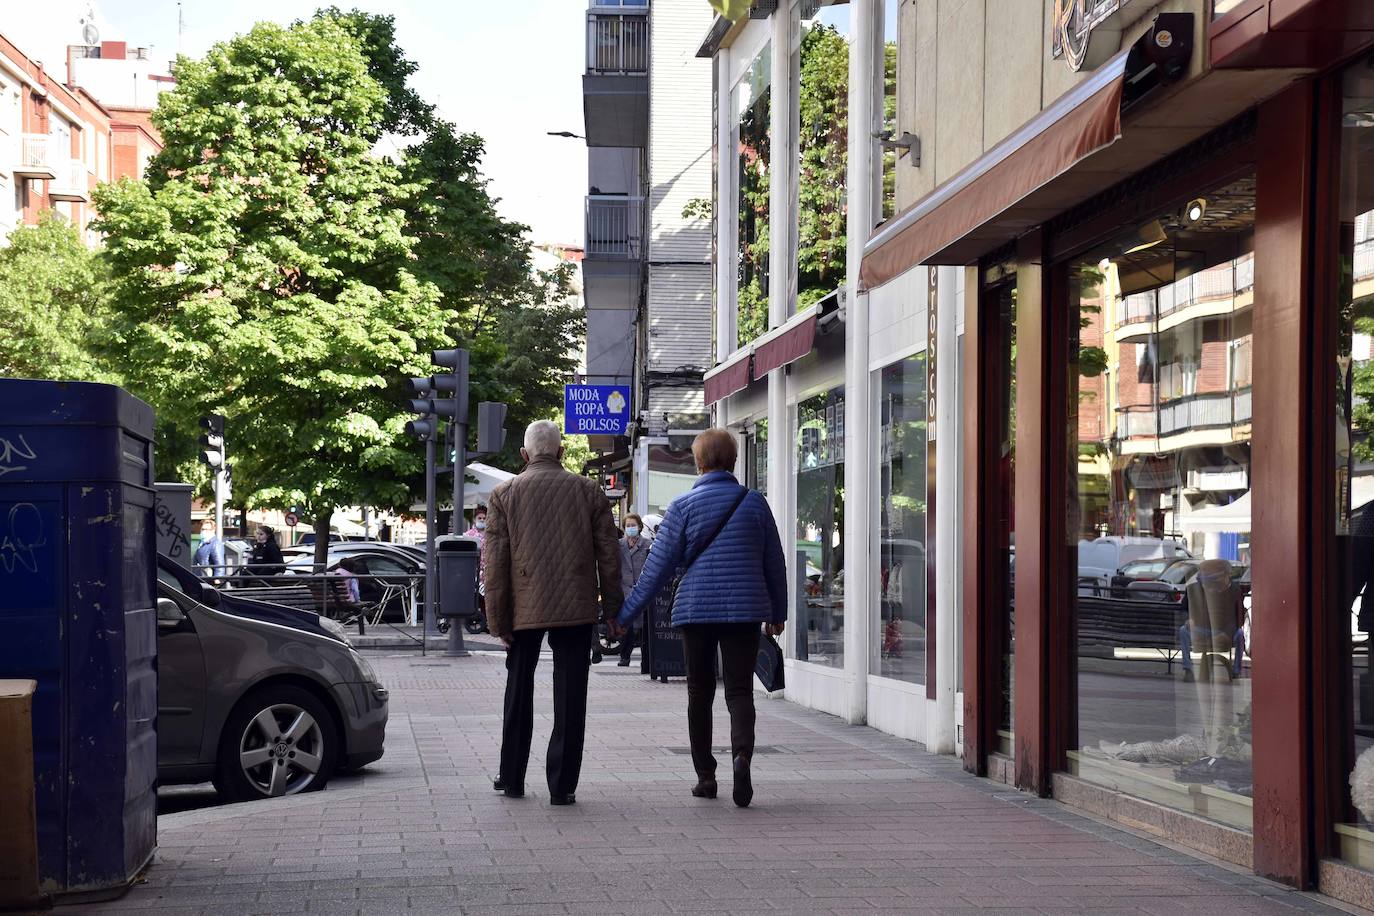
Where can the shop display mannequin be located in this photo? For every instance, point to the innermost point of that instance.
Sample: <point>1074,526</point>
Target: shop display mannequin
<point>1213,620</point>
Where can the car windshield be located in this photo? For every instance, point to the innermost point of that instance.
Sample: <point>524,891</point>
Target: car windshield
<point>1144,568</point>
<point>1178,573</point>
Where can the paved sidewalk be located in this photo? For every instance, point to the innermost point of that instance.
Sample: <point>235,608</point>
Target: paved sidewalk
<point>845,820</point>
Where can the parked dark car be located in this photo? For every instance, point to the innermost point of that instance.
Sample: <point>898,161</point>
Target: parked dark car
<point>1146,570</point>
<point>262,699</point>
<point>386,576</point>
<point>1174,581</point>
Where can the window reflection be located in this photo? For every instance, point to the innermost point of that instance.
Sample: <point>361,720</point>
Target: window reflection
<point>1159,506</point>
<point>672,471</point>
<point>751,105</point>
<point>820,528</point>
<point>900,589</point>
<point>1353,478</point>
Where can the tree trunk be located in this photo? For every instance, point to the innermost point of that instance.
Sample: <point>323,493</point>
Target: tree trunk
<point>323,518</point>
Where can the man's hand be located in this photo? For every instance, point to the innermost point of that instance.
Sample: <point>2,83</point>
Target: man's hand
<point>774,629</point>
<point>614,628</point>
<point>506,641</point>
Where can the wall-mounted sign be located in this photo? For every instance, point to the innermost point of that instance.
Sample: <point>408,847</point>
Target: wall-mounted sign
<point>1074,21</point>
<point>596,410</point>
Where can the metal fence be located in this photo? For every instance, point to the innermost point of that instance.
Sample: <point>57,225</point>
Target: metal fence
<point>354,599</point>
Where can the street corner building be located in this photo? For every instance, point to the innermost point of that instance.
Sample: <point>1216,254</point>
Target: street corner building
<point>1045,327</point>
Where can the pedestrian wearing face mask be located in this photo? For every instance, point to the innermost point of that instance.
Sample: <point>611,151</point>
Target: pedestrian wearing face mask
<point>634,552</point>
<point>478,531</point>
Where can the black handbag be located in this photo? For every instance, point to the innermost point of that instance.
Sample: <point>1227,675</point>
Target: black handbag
<point>768,665</point>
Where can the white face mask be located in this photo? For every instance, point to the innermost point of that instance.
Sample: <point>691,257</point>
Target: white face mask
<point>632,531</point>
<point>481,524</point>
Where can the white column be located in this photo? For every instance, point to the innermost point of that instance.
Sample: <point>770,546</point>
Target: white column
<point>781,443</point>
<point>948,503</point>
<point>858,617</point>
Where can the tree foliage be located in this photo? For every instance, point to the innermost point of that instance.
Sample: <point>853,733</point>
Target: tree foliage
<point>52,303</point>
<point>263,271</point>
<point>823,146</point>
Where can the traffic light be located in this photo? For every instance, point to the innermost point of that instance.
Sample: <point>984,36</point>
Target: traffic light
<point>212,440</point>
<point>454,382</point>
<point>491,427</point>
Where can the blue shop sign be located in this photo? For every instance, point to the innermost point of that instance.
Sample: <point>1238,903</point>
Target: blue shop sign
<point>596,410</point>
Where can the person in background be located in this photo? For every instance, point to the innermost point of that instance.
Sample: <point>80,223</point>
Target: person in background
<point>348,569</point>
<point>634,552</point>
<point>265,558</point>
<point>724,540</point>
<point>479,532</point>
<point>209,556</point>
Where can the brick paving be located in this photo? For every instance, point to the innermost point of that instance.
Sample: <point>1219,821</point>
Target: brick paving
<point>845,820</point>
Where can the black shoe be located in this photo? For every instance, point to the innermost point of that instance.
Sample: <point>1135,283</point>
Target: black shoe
<point>509,790</point>
<point>498,784</point>
<point>744,785</point>
<point>596,658</point>
<point>557,799</point>
<point>623,663</point>
<point>705,788</point>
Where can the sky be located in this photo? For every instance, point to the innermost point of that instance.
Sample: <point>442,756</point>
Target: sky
<point>508,70</point>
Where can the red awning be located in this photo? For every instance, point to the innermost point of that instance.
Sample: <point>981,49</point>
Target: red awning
<point>1298,34</point>
<point>726,379</point>
<point>790,342</point>
<point>1083,121</point>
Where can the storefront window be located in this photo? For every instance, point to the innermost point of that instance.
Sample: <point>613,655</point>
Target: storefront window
<point>999,296</point>
<point>756,457</point>
<point>820,70</point>
<point>752,143</point>
<point>1159,502</point>
<point>820,529</point>
<point>899,639</point>
<point>672,471</point>
<point>1353,480</point>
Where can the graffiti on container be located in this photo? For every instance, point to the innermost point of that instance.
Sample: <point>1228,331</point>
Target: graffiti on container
<point>11,453</point>
<point>169,528</point>
<point>21,536</point>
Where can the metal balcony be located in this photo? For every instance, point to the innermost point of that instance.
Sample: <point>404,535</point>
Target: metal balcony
<point>615,88</point>
<point>72,184</point>
<point>615,227</point>
<point>36,157</point>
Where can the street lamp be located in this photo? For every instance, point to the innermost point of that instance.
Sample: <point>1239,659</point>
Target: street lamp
<point>565,133</point>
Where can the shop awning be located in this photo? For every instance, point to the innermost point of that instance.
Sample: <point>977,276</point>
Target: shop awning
<point>1081,122</point>
<point>785,343</point>
<point>729,377</point>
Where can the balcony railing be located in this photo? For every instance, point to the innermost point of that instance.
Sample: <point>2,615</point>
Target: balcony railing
<point>617,42</point>
<point>1213,410</point>
<point>1214,283</point>
<point>36,157</point>
<point>614,227</point>
<point>70,183</point>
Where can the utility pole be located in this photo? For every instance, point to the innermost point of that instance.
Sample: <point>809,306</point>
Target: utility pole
<point>213,453</point>
<point>426,427</point>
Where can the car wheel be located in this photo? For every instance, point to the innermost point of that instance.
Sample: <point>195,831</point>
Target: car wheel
<point>280,740</point>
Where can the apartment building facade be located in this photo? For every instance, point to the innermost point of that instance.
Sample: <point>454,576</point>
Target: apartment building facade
<point>59,140</point>
<point>1072,452</point>
<point>647,264</point>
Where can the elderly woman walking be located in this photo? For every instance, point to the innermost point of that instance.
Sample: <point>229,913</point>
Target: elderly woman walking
<point>721,536</point>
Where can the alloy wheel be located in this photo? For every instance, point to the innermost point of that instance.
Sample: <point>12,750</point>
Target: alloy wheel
<point>281,750</point>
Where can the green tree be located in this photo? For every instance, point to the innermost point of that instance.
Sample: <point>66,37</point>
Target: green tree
<point>520,324</point>
<point>823,145</point>
<point>52,302</point>
<point>263,271</point>
<point>406,113</point>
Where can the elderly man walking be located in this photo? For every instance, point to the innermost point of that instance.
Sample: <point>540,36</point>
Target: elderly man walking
<point>551,552</point>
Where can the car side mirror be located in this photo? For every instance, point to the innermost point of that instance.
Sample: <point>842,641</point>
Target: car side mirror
<point>209,595</point>
<point>168,614</point>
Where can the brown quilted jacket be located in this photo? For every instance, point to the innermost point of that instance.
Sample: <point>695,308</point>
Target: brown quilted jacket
<point>552,551</point>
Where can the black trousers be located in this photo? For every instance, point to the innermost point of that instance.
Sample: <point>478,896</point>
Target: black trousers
<point>739,648</point>
<point>571,661</point>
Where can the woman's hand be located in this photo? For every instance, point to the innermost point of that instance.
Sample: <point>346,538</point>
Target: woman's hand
<point>774,629</point>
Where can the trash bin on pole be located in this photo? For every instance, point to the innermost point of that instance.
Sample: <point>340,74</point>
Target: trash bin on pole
<point>458,558</point>
<point>78,616</point>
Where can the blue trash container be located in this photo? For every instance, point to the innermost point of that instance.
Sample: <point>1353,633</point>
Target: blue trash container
<point>78,615</point>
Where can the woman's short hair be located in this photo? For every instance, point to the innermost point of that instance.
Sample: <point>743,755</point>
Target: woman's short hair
<point>638,521</point>
<point>715,450</point>
<point>542,437</point>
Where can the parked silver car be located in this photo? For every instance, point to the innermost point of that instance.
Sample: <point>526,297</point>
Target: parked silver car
<point>264,700</point>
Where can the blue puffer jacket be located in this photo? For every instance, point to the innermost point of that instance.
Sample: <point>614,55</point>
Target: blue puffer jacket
<point>742,575</point>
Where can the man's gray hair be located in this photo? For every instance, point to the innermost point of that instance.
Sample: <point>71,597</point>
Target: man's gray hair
<point>542,437</point>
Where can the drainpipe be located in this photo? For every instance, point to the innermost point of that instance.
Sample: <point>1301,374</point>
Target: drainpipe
<point>859,180</point>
